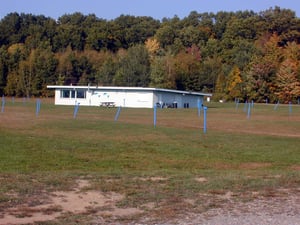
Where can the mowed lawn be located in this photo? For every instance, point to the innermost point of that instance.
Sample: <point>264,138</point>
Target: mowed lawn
<point>240,152</point>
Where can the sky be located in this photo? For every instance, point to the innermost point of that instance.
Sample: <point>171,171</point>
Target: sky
<point>157,9</point>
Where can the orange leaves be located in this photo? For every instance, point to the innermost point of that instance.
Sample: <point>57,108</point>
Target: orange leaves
<point>234,83</point>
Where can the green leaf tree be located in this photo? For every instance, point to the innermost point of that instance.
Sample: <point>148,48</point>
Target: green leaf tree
<point>107,72</point>
<point>45,65</point>
<point>16,54</point>
<point>159,74</point>
<point>3,69</point>
<point>168,31</point>
<point>134,67</point>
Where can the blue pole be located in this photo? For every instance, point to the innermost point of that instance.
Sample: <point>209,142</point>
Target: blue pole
<point>204,119</point>
<point>249,110</point>
<point>154,115</point>
<point>237,104</point>
<point>245,106</point>
<point>199,107</point>
<point>276,106</point>
<point>38,107</point>
<point>290,108</point>
<point>76,110</point>
<point>3,104</point>
<point>118,113</point>
<point>161,104</point>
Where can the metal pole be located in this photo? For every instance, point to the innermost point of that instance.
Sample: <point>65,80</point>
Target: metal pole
<point>154,115</point>
<point>276,106</point>
<point>38,107</point>
<point>249,110</point>
<point>76,110</point>
<point>204,119</point>
<point>237,104</point>
<point>199,107</point>
<point>118,114</point>
<point>3,104</point>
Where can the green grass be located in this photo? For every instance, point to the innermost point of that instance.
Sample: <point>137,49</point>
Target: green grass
<point>50,151</point>
<point>109,146</point>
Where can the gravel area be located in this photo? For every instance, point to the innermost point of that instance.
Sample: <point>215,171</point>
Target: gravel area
<point>279,210</point>
<point>264,211</point>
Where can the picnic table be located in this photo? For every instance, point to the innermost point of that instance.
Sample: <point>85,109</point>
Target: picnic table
<point>107,104</point>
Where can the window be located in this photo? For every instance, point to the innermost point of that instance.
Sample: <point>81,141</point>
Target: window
<point>65,94</point>
<point>72,94</point>
<point>80,94</point>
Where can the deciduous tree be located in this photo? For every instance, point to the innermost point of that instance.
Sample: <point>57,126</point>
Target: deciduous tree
<point>134,68</point>
<point>234,83</point>
<point>288,86</point>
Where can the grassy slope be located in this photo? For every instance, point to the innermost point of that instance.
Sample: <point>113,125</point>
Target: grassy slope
<point>236,154</point>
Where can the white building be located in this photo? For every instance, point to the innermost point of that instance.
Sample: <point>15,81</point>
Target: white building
<point>134,97</point>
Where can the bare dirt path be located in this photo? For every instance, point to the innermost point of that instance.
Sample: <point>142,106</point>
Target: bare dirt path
<point>281,208</point>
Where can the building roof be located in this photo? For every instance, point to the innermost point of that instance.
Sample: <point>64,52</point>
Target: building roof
<point>127,89</point>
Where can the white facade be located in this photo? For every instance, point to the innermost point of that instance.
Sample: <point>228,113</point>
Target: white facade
<point>133,97</point>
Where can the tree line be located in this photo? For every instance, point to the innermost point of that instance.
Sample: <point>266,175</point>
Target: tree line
<point>244,54</point>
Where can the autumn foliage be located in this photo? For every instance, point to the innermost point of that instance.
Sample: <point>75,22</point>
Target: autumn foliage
<point>245,54</point>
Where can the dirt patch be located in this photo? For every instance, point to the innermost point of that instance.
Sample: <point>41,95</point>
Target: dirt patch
<point>76,201</point>
<point>254,165</point>
<point>201,179</point>
<point>150,205</point>
<point>152,179</point>
<point>295,167</point>
<point>222,166</point>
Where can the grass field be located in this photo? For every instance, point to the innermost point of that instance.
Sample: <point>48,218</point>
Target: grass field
<point>166,166</point>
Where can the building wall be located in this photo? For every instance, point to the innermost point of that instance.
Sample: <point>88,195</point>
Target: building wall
<point>127,97</point>
<point>134,99</point>
<point>177,100</point>
<point>71,100</point>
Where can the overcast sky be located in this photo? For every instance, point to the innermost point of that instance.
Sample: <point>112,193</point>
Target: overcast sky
<point>158,9</point>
